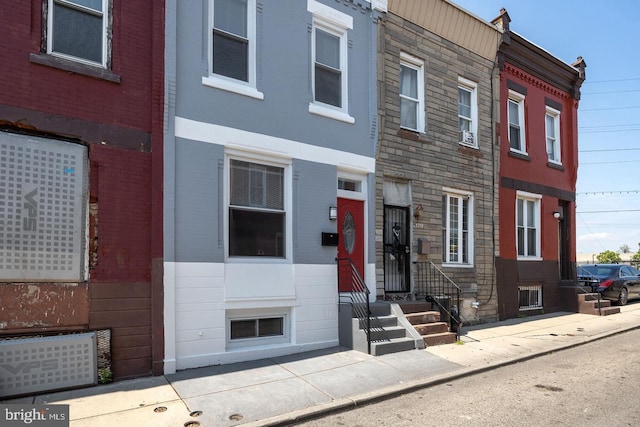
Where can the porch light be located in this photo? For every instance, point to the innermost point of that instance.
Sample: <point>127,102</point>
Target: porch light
<point>333,213</point>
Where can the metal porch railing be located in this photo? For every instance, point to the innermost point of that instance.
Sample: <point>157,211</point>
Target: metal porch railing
<point>354,291</point>
<point>436,287</point>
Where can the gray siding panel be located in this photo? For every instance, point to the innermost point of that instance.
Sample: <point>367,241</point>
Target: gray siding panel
<point>283,76</point>
<point>313,195</point>
<point>197,202</point>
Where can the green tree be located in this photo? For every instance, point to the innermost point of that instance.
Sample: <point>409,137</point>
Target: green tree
<point>636,257</point>
<point>608,257</point>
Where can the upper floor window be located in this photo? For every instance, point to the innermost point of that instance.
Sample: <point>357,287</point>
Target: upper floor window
<point>552,125</point>
<point>457,227</point>
<point>77,30</point>
<point>329,61</point>
<point>516,122</point>
<point>233,47</point>
<point>528,225</point>
<point>467,112</point>
<point>411,93</point>
<point>257,213</point>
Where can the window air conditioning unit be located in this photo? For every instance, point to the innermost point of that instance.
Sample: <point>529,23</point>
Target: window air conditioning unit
<point>466,137</point>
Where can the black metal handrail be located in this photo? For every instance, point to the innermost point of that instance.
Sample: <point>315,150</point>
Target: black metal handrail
<point>594,282</point>
<point>436,287</point>
<point>355,293</point>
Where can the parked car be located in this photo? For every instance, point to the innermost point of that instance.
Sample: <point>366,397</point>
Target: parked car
<point>614,282</point>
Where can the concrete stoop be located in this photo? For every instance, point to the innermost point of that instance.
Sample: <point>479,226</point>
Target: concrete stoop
<point>589,304</point>
<point>427,323</point>
<point>397,327</point>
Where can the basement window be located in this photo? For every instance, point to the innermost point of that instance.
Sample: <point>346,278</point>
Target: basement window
<point>248,328</point>
<point>257,328</point>
<point>530,297</point>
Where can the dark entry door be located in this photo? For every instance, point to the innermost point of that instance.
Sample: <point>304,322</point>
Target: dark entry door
<point>396,249</point>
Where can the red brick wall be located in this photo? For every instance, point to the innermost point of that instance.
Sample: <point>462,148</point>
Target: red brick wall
<point>123,124</point>
<point>121,189</point>
<point>54,91</point>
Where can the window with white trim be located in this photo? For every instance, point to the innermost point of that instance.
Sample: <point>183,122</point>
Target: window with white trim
<point>232,47</point>
<point>329,61</point>
<point>411,93</point>
<point>515,111</point>
<point>252,327</point>
<point>77,30</point>
<point>552,127</point>
<point>467,112</point>
<point>457,227</point>
<point>528,225</point>
<point>257,214</point>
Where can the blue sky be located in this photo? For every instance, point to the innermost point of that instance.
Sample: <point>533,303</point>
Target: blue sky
<point>606,35</point>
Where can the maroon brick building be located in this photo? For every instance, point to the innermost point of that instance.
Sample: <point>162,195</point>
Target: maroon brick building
<point>538,137</point>
<point>81,124</point>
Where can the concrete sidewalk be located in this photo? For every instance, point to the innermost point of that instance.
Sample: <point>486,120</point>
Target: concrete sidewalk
<point>280,390</point>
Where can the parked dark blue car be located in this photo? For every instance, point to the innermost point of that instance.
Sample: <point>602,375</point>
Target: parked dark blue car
<point>615,282</point>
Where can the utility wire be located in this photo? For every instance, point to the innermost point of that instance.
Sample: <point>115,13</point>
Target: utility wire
<point>610,192</point>
<point>609,149</point>
<point>619,210</point>
<point>615,80</point>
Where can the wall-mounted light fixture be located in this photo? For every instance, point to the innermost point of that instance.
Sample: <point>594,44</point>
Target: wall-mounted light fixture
<point>333,213</point>
<point>557,215</point>
<point>417,212</point>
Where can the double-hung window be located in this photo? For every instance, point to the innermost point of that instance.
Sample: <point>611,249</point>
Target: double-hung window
<point>411,93</point>
<point>232,47</point>
<point>257,214</point>
<point>552,126</point>
<point>329,61</point>
<point>528,225</point>
<point>457,227</point>
<point>77,30</point>
<point>515,112</point>
<point>467,112</point>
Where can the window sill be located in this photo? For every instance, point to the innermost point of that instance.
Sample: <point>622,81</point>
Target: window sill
<point>331,113</point>
<point>519,155</point>
<point>231,86</point>
<point>450,265</point>
<point>469,150</point>
<point>529,258</point>
<point>413,135</point>
<point>554,165</point>
<point>74,67</point>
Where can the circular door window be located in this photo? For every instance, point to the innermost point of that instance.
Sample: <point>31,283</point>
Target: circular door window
<point>348,232</point>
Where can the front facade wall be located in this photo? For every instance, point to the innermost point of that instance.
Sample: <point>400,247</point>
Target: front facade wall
<point>108,111</point>
<point>529,173</point>
<point>271,124</point>
<point>432,163</point>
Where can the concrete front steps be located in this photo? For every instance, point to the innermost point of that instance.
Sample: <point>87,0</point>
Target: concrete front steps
<point>428,324</point>
<point>389,333</point>
<point>395,327</point>
<point>589,304</point>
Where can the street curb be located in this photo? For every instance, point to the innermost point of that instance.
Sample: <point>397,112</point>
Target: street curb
<point>344,404</point>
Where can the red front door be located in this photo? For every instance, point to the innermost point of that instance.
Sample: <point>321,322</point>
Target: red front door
<point>351,233</point>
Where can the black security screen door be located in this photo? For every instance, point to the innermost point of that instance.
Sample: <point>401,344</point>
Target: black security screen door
<point>396,249</point>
